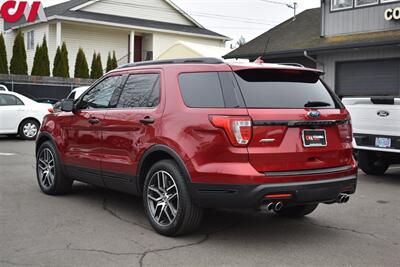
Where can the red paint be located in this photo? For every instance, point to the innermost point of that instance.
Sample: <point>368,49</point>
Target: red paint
<point>16,15</point>
<point>119,141</point>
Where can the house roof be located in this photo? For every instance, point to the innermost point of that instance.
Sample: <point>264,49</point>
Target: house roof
<point>292,38</point>
<point>64,10</point>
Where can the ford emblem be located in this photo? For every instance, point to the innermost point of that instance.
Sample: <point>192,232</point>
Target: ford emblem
<point>383,113</point>
<point>314,114</point>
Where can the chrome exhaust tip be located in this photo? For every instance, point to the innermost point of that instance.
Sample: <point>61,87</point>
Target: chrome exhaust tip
<point>278,206</point>
<point>343,198</point>
<point>270,207</point>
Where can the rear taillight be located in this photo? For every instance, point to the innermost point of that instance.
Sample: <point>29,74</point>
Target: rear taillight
<point>50,110</point>
<point>237,128</point>
<point>346,131</point>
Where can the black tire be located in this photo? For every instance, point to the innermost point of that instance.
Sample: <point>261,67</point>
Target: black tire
<point>369,162</point>
<point>31,124</point>
<point>187,216</point>
<point>297,211</point>
<point>13,136</point>
<point>61,183</point>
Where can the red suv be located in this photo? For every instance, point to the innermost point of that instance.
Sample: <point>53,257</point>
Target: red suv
<point>200,133</point>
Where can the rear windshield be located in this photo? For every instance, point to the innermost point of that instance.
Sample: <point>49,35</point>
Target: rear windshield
<point>283,89</point>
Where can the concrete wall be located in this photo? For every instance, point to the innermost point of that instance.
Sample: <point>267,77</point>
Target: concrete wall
<point>329,60</point>
<point>357,20</point>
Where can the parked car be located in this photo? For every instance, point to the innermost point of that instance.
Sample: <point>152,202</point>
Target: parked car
<point>193,134</point>
<point>77,92</point>
<point>376,132</point>
<point>51,101</point>
<point>20,115</point>
<point>3,87</point>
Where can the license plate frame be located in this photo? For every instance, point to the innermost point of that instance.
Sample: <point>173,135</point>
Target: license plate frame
<point>383,142</point>
<point>314,138</point>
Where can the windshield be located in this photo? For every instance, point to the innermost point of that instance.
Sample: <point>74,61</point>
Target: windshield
<point>284,88</point>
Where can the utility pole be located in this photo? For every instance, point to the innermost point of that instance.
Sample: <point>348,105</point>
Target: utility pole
<point>292,6</point>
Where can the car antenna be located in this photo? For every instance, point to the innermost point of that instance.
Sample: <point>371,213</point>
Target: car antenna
<point>259,60</point>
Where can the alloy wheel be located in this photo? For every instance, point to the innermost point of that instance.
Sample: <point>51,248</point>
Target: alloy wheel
<point>46,168</point>
<point>163,198</point>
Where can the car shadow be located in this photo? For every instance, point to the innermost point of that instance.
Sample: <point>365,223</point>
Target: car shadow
<point>237,224</point>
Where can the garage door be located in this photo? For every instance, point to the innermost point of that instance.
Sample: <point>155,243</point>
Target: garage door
<point>368,78</point>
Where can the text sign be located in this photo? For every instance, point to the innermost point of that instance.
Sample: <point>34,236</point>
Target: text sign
<point>12,11</point>
<point>392,13</point>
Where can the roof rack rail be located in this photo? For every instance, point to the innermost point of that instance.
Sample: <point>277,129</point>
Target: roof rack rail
<point>292,64</point>
<point>205,60</point>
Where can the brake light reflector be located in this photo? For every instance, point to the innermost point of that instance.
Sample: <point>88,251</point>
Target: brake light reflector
<point>346,132</point>
<point>237,128</point>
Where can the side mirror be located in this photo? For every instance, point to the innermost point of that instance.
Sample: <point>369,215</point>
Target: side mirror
<point>67,105</point>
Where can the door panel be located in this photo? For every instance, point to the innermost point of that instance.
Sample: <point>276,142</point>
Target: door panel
<point>129,129</point>
<point>12,112</point>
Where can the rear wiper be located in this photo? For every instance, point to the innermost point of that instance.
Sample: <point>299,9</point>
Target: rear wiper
<point>312,104</point>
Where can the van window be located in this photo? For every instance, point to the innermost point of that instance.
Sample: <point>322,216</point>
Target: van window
<point>284,88</point>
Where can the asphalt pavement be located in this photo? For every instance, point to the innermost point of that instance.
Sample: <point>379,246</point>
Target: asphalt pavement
<point>98,227</point>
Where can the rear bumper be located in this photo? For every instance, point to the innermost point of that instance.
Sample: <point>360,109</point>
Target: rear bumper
<point>367,142</point>
<point>253,196</point>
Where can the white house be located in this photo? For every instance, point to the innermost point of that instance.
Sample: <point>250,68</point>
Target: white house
<point>136,30</point>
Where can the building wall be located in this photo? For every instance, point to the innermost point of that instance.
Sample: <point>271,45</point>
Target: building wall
<point>163,41</point>
<point>329,60</point>
<point>40,30</point>
<point>93,39</point>
<point>1,24</point>
<point>357,20</point>
<point>157,10</point>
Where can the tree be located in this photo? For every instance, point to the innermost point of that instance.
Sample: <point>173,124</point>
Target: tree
<point>64,61</point>
<point>56,64</point>
<point>81,65</point>
<point>97,68</point>
<point>241,41</point>
<point>109,63</point>
<point>36,61</point>
<point>114,61</point>
<point>41,63</point>
<point>3,56</point>
<point>45,62</point>
<point>18,63</point>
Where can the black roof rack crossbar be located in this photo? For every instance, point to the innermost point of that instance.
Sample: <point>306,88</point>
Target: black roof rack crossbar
<point>205,60</point>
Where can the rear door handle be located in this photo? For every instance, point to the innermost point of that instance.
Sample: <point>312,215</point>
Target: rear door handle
<point>147,120</point>
<point>94,121</point>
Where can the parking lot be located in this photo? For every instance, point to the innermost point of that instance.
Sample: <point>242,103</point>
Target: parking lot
<point>98,227</point>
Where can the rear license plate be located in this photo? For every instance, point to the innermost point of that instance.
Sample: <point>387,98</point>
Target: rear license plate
<point>314,138</point>
<point>383,142</point>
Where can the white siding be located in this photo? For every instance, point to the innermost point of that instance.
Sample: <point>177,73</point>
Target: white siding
<point>329,60</point>
<point>1,25</point>
<point>40,30</point>
<point>93,38</point>
<point>157,10</point>
<point>163,41</point>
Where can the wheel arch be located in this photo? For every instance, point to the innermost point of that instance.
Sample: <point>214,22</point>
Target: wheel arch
<point>44,137</point>
<point>28,118</point>
<point>153,155</point>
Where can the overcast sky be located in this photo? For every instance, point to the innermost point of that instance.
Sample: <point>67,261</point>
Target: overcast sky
<point>234,18</point>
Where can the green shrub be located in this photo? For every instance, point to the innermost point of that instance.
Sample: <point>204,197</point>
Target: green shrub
<point>81,65</point>
<point>97,67</point>
<point>3,56</point>
<point>109,63</point>
<point>18,63</point>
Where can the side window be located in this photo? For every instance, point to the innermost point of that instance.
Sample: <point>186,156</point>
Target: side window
<point>140,90</point>
<point>10,100</point>
<point>72,96</point>
<point>100,95</point>
<point>201,90</point>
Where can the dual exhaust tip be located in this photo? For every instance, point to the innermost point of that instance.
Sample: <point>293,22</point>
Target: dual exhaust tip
<point>343,198</point>
<point>274,206</point>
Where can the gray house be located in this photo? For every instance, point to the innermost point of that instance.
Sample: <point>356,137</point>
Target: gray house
<point>355,42</point>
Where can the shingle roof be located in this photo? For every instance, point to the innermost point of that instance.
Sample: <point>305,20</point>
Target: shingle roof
<point>293,37</point>
<point>63,9</point>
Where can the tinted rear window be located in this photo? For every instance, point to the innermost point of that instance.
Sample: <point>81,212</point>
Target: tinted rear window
<point>201,90</point>
<point>283,89</point>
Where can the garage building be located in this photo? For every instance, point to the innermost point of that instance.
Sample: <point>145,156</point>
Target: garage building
<point>355,42</point>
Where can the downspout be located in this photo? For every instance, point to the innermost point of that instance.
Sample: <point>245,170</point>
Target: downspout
<point>306,55</point>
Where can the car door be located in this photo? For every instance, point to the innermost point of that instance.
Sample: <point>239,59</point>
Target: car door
<point>84,144</point>
<point>12,110</point>
<point>130,127</point>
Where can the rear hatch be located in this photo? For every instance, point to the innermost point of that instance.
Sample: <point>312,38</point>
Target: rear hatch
<point>375,115</point>
<point>298,123</point>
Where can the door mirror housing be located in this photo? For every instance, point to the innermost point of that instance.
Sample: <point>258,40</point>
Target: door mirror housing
<point>67,105</point>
